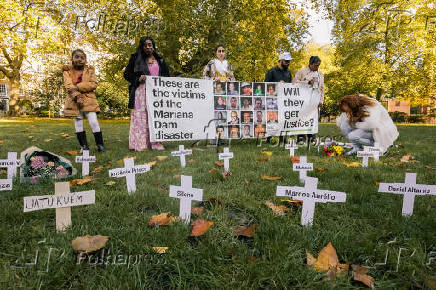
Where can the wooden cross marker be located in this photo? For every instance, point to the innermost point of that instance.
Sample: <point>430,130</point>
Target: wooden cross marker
<point>291,146</point>
<point>129,171</point>
<point>186,194</point>
<point>226,156</point>
<point>365,155</point>
<point>182,152</point>
<point>62,201</point>
<point>303,167</point>
<point>309,195</point>
<point>375,150</point>
<point>409,189</point>
<point>11,164</point>
<point>85,160</point>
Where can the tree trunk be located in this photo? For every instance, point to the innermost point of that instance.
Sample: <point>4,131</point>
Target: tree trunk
<point>14,85</point>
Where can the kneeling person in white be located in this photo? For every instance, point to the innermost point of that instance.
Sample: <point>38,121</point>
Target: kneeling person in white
<point>364,121</point>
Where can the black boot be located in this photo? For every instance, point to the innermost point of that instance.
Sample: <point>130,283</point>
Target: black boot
<point>81,136</point>
<point>99,141</point>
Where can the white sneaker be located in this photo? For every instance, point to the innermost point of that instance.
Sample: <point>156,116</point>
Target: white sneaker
<point>353,151</point>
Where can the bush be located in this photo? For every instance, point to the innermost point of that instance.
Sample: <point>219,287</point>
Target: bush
<point>398,117</point>
<point>415,119</point>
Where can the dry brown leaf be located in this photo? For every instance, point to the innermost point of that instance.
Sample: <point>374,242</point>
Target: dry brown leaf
<point>360,274</point>
<point>327,258</point>
<point>319,169</point>
<point>48,140</point>
<point>266,159</point>
<point>251,260</point>
<point>268,153</point>
<point>400,164</point>
<point>245,231</point>
<point>72,152</point>
<point>176,176</point>
<point>200,227</point>
<point>377,183</point>
<point>277,209</point>
<point>293,202</point>
<point>89,243</point>
<point>246,181</point>
<point>160,250</point>
<point>212,170</point>
<point>352,164</point>
<point>226,173</point>
<point>160,157</point>
<point>430,283</point>
<point>1,141</point>
<point>161,220</point>
<point>197,210</point>
<point>110,183</point>
<point>151,163</point>
<point>109,164</point>
<point>219,163</point>
<point>428,167</point>
<point>270,177</point>
<point>406,158</point>
<point>295,159</point>
<point>98,169</point>
<point>65,135</point>
<point>30,137</point>
<point>82,181</point>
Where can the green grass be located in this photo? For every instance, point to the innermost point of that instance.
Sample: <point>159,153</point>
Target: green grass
<point>362,230</point>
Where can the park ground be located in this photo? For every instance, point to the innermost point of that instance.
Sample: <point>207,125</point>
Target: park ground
<point>367,230</point>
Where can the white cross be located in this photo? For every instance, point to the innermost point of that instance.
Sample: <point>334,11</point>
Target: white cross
<point>85,160</point>
<point>182,152</point>
<point>409,189</point>
<point>291,146</point>
<point>11,163</point>
<point>186,194</point>
<point>309,195</point>
<point>365,155</point>
<point>129,171</point>
<point>62,201</point>
<point>5,184</point>
<point>226,155</point>
<point>375,150</point>
<point>303,167</point>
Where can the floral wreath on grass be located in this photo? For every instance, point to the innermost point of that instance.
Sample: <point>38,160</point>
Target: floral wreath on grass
<point>42,164</point>
<point>333,149</point>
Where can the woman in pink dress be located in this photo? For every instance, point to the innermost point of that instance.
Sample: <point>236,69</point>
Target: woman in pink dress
<point>145,61</point>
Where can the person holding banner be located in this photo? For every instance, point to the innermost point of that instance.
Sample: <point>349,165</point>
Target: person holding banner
<point>219,69</point>
<point>364,121</point>
<point>80,82</point>
<point>280,73</point>
<point>145,61</point>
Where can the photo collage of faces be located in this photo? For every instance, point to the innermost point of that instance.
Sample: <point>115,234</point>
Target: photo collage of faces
<point>243,109</point>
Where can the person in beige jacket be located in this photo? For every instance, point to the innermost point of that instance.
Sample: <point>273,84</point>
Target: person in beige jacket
<point>80,82</point>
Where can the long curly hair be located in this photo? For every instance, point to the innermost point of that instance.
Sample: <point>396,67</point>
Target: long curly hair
<point>354,107</point>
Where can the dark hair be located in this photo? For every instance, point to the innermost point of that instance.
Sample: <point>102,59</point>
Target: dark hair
<point>314,59</point>
<point>76,51</point>
<point>142,43</point>
<point>218,46</point>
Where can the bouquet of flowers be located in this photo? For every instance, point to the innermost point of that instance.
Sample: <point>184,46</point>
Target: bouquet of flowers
<point>333,149</point>
<point>42,164</point>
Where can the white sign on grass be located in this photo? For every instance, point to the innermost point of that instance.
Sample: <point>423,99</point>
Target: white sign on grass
<point>409,189</point>
<point>375,150</point>
<point>186,194</point>
<point>179,108</point>
<point>309,195</point>
<point>226,156</point>
<point>5,184</point>
<point>303,167</point>
<point>62,201</point>
<point>291,146</point>
<point>181,153</point>
<point>85,160</point>
<point>129,171</point>
<point>11,164</point>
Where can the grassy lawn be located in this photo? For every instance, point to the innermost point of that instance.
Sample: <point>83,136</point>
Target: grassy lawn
<point>367,230</point>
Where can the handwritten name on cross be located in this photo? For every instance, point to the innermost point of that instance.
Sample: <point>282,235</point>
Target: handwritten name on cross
<point>409,189</point>
<point>129,171</point>
<point>365,155</point>
<point>303,167</point>
<point>373,149</point>
<point>226,156</point>
<point>182,152</point>
<point>291,146</point>
<point>309,195</point>
<point>186,194</point>
<point>11,164</point>
<point>62,201</point>
<point>85,159</point>
<point>5,184</point>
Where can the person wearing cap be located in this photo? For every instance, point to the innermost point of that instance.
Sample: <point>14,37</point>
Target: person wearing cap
<point>280,73</point>
<point>314,78</point>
